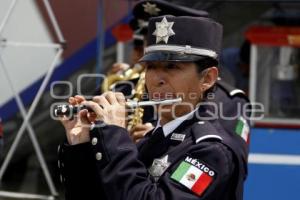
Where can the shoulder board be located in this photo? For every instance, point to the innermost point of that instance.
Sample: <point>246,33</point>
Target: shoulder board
<point>230,90</point>
<point>204,130</point>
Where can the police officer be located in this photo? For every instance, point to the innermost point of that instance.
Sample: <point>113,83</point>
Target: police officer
<point>142,12</point>
<point>223,93</point>
<point>188,155</point>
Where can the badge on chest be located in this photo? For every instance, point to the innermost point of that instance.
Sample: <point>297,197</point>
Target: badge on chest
<point>158,167</point>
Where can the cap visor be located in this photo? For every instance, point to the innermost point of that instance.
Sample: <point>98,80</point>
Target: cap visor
<point>169,57</point>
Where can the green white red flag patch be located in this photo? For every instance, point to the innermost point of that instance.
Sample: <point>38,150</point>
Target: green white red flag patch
<point>242,129</point>
<point>194,175</point>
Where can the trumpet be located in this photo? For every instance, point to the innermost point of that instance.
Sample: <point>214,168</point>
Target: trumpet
<point>70,110</point>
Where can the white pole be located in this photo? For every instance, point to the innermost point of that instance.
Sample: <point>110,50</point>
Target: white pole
<point>9,12</point>
<point>253,73</point>
<point>120,52</point>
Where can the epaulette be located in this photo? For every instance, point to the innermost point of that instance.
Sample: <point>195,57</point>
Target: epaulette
<point>230,90</point>
<point>204,130</point>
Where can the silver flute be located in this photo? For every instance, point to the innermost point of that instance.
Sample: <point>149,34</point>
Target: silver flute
<point>70,110</point>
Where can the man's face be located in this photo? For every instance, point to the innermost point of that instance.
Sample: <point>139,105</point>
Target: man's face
<point>169,80</point>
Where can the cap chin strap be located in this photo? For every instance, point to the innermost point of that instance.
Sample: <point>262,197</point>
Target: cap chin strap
<point>182,50</point>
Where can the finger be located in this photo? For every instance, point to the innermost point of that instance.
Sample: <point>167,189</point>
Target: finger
<point>137,128</point>
<point>101,100</point>
<point>141,127</point>
<point>111,98</point>
<point>118,67</point>
<point>149,125</point>
<point>132,130</point>
<point>120,98</point>
<point>138,135</point>
<point>121,66</point>
<point>95,107</point>
<point>113,70</point>
<point>72,101</point>
<point>92,116</point>
<point>83,116</point>
<point>79,99</point>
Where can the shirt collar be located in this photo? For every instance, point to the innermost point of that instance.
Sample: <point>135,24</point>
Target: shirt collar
<point>172,125</point>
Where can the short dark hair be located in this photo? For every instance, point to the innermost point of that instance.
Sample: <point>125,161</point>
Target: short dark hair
<point>202,64</point>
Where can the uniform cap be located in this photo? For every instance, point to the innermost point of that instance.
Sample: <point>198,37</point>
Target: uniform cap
<point>146,9</point>
<point>182,39</point>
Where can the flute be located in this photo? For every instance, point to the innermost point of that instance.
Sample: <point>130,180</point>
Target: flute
<point>69,110</point>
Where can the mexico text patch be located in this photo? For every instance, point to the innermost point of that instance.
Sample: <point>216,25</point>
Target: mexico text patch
<point>194,175</point>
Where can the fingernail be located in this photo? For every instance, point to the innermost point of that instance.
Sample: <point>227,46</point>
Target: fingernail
<point>148,124</point>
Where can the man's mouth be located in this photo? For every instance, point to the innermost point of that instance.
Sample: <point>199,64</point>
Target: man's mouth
<point>162,96</point>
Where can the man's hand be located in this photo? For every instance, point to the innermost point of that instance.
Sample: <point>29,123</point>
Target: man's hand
<point>118,68</point>
<point>77,128</point>
<point>109,108</point>
<point>139,131</point>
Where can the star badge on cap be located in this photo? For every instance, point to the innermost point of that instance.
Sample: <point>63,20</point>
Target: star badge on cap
<point>163,30</point>
<point>151,9</point>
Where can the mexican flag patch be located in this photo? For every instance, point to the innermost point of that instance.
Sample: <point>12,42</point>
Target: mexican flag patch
<point>242,129</point>
<point>194,175</point>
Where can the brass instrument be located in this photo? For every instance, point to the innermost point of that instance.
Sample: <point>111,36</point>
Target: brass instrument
<point>137,116</point>
<point>110,81</point>
<point>130,74</point>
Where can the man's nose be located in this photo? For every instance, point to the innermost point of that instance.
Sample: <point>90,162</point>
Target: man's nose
<point>159,77</point>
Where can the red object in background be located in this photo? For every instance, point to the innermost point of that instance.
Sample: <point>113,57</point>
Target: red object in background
<point>122,32</point>
<point>79,24</point>
<point>274,35</point>
<point>1,128</point>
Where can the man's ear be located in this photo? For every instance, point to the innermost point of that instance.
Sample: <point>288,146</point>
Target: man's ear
<point>208,78</point>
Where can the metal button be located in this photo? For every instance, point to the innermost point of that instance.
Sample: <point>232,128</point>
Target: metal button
<point>58,164</point>
<point>94,141</point>
<point>98,156</point>
<point>61,179</point>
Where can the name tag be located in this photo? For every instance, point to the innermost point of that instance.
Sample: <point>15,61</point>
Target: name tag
<point>177,136</point>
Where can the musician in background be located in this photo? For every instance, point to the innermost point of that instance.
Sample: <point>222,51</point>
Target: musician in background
<point>188,155</point>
